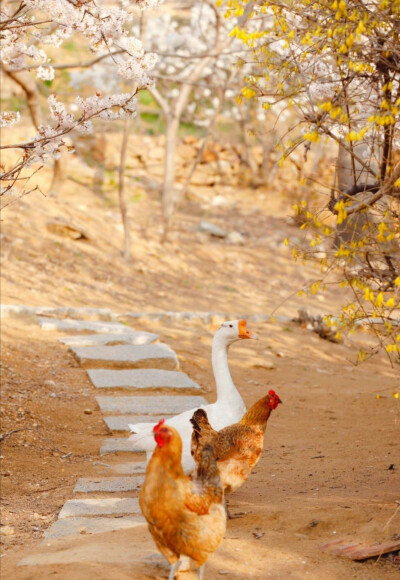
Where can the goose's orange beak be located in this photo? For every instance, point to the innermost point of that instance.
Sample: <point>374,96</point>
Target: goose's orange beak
<point>244,332</point>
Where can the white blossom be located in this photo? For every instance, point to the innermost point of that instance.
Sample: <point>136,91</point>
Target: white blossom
<point>9,118</point>
<point>99,26</point>
<point>45,73</point>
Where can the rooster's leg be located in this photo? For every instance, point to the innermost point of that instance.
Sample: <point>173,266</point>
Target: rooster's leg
<point>201,572</point>
<point>174,568</point>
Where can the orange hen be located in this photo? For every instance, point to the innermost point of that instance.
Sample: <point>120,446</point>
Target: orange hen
<point>185,515</point>
<point>238,447</point>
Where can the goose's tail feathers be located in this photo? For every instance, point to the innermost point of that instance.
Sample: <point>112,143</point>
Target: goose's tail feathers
<point>142,435</point>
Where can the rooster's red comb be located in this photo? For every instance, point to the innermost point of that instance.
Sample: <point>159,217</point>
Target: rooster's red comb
<point>157,427</point>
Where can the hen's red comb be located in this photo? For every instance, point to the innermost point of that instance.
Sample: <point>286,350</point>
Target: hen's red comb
<point>156,427</point>
<point>274,399</point>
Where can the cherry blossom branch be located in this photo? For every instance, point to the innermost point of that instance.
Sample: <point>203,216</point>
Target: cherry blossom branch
<point>72,65</point>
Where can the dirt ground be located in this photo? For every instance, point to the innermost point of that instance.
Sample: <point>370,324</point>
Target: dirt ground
<point>331,463</point>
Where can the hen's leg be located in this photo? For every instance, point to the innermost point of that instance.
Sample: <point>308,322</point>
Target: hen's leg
<point>185,564</point>
<point>174,568</point>
<point>228,513</point>
<point>201,572</point>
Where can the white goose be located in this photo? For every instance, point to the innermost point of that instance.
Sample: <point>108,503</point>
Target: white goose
<point>227,409</point>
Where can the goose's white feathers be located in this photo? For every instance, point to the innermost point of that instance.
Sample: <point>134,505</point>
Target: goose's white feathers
<point>227,409</point>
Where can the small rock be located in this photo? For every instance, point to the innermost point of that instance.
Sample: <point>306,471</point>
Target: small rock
<point>269,366</point>
<point>208,156</point>
<point>190,139</point>
<point>156,153</point>
<point>63,228</point>
<point>7,531</point>
<point>82,531</point>
<point>36,516</point>
<point>280,354</point>
<point>212,229</point>
<point>219,200</point>
<point>88,411</point>
<point>49,383</point>
<point>235,238</point>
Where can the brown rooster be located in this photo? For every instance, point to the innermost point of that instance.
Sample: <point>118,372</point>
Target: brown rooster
<point>185,516</point>
<point>237,448</point>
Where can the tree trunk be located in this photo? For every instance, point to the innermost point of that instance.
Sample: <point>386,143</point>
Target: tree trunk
<point>349,173</point>
<point>121,192</point>
<point>248,154</point>
<point>268,143</point>
<point>168,191</point>
<point>29,86</point>
<point>58,176</point>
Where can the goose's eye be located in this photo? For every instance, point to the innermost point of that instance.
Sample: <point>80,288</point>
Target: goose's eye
<point>231,326</point>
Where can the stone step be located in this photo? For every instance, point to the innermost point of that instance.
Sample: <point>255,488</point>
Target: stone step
<point>99,507</point>
<point>132,337</point>
<point>73,325</point>
<point>140,379</point>
<point>126,356</point>
<point>207,317</point>
<point>108,484</point>
<point>82,558</point>
<point>119,445</point>
<point>130,468</point>
<point>76,526</point>
<point>163,404</point>
<point>121,422</point>
<point>17,310</point>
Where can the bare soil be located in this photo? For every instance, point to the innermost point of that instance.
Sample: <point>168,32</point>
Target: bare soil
<point>331,464</point>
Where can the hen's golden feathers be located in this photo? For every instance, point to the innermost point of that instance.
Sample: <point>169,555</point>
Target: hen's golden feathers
<point>238,447</point>
<point>185,516</point>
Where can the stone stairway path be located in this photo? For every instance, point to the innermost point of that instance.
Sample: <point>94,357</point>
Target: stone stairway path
<point>128,368</point>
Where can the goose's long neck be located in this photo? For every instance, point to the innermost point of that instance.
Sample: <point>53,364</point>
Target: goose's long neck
<point>226,389</point>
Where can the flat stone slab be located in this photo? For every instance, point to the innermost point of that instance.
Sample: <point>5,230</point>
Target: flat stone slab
<point>76,526</point>
<point>103,551</point>
<point>163,404</point>
<point>126,356</point>
<point>130,468</point>
<point>132,337</point>
<point>8,310</point>
<point>119,445</point>
<point>69,325</point>
<point>108,484</point>
<point>140,379</point>
<point>173,316</point>
<point>99,507</point>
<point>121,422</point>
